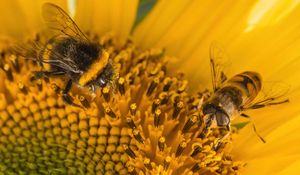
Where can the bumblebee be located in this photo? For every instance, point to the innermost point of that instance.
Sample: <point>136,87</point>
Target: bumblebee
<point>230,98</point>
<point>69,53</point>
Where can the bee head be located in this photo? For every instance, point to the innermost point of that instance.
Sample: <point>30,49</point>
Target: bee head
<point>217,113</point>
<point>106,77</point>
<point>102,82</point>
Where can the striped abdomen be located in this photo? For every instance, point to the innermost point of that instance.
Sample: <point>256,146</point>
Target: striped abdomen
<point>248,83</point>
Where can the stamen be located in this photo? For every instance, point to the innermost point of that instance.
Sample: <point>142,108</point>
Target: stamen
<point>164,97</point>
<point>157,117</point>
<point>148,164</point>
<point>109,112</point>
<point>155,104</point>
<point>84,101</point>
<point>156,70</point>
<point>191,121</point>
<point>132,171</point>
<point>137,135</point>
<point>152,86</point>
<point>180,148</point>
<point>15,63</point>
<point>195,168</point>
<point>132,109</point>
<point>39,85</point>
<point>167,84</point>
<point>22,88</point>
<point>129,151</point>
<point>106,95</point>
<point>161,143</point>
<point>130,78</point>
<point>56,88</point>
<point>177,108</point>
<point>121,85</point>
<point>182,86</point>
<point>130,122</point>
<point>134,129</point>
<point>8,72</point>
<point>196,149</point>
<point>167,162</point>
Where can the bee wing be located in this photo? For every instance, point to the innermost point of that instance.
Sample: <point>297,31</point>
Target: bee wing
<point>57,19</point>
<point>29,50</point>
<point>273,93</point>
<point>218,60</point>
<point>35,51</point>
<point>59,60</point>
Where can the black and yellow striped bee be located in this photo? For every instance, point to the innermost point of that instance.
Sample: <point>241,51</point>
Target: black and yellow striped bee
<point>230,98</point>
<point>71,54</point>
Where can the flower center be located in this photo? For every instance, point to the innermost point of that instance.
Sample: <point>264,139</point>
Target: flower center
<point>146,121</point>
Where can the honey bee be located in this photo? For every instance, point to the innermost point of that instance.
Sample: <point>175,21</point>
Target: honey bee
<point>69,53</point>
<point>230,98</point>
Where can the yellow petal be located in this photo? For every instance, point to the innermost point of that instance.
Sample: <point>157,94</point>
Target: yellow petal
<point>274,124</point>
<point>266,12</point>
<point>277,44</point>
<point>115,16</point>
<point>273,165</point>
<point>279,125</point>
<point>292,168</point>
<point>187,31</point>
<point>19,18</point>
<point>158,21</point>
<point>272,51</point>
<point>263,51</point>
<point>266,50</point>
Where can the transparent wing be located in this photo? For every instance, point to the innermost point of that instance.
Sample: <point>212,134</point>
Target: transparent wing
<point>57,19</point>
<point>218,62</point>
<point>58,59</point>
<point>38,52</point>
<point>272,93</point>
<point>30,50</point>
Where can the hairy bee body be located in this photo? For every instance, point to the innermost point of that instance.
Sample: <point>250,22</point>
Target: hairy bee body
<point>69,53</point>
<point>233,95</point>
<point>81,53</point>
<point>78,58</point>
<point>230,98</point>
<point>248,83</point>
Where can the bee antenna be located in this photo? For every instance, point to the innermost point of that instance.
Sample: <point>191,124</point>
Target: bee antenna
<point>254,128</point>
<point>258,135</point>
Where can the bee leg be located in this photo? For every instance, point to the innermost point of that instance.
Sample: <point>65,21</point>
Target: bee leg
<point>66,97</point>
<point>257,106</point>
<point>93,91</point>
<point>254,128</point>
<point>219,142</point>
<point>223,77</point>
<point>208,123</point>
<point>65,94</point>
<point>46,74</point>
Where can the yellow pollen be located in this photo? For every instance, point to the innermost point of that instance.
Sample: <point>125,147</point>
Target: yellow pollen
<point>146,123</point>
<point>95,69</point>
<point>6,67</point>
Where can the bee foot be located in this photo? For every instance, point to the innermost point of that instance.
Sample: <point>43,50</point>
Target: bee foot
<point>217,145</point>
<point>69,100</point>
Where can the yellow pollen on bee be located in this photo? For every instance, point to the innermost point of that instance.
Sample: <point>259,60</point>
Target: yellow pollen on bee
<point>47,51</point>
<point>95,69</point>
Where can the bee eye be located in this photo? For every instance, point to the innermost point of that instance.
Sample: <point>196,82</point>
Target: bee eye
<point>102,82</point>
<point>208,109</point>
<point>222,118</point>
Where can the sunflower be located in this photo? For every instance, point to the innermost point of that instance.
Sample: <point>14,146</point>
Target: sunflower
<point>149,120</point>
